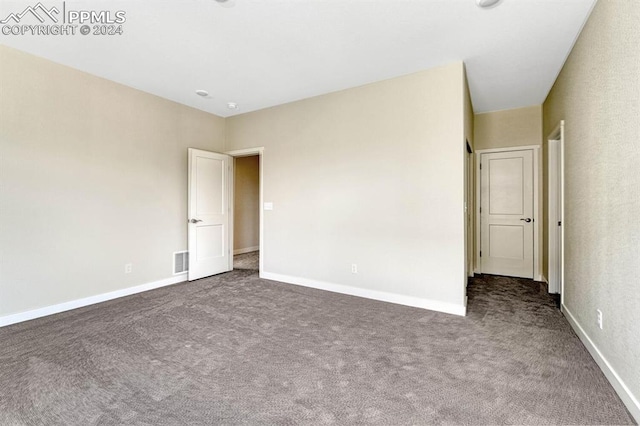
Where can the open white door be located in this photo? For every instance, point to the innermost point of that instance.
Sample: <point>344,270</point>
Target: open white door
<point>506,214</point>
<point>555,216</point>
<point>208,214</point>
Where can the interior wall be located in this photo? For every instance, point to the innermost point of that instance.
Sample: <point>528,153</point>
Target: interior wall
<point>246,213</point>
<point>469,134</point>
<point>94,176</point>
<point>509,128</point>
<point>598,95</point>
<point>372,176</point>
<point>514,128</point>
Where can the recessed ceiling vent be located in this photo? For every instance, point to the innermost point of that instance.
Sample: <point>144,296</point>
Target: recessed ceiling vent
<point>180,262</point>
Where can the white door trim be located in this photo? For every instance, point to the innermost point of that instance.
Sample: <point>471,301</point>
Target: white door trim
<point>537,216</point>
<point>556,209</point>
<point>469,211</point>
<point>511,148</point>
<point>247,153</point>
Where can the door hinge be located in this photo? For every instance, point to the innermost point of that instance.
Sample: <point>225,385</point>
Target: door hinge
<point>480,253</point>
<point>559,223</point>
<point>480,166</point>
<point>480,209</point>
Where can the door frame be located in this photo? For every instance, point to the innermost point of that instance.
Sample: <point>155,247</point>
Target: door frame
<point>537,214</point>
<point>556,206</point>
<point>469,210</point>
<point>248,152</point>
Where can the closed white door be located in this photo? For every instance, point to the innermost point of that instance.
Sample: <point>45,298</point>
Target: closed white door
<point>506,215</point>
<point>208,214</point>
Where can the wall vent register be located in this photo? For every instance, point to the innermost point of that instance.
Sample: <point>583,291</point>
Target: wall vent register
<point>180,262</point>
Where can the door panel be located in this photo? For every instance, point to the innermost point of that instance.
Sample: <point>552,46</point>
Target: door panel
<point>209,242</point>
<point>209,180</point>
<point>506,242</point>
<point>506,233</point>
<point>208,214</point>
<point>507,196</point>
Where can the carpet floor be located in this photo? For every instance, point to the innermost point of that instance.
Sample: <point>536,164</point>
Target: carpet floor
<point>246,261</point>
<point>235,349</point>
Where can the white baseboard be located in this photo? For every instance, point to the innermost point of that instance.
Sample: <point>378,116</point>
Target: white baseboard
<point>246,250</point>
<point>91,300</point>
<point>629,400</point>
<point>433,305</point>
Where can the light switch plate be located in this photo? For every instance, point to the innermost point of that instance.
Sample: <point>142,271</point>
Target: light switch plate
<point>268,206</point>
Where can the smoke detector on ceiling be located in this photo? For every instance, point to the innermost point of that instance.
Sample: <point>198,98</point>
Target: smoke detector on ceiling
<point>202,93</point>
<point>487,3</point>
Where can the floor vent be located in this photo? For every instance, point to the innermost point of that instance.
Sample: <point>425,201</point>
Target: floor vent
<point>180,262</point>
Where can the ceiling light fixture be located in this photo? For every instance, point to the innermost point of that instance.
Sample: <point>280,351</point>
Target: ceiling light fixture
<point>487,3</point>
<point>232,105</point>
<point>202,93</point>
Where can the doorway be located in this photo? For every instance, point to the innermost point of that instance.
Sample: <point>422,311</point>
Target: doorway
<point>246,212</point>
<point>507,212</point>
<point>469,210</point>
<point>247,218</point>
<point>555,202</point>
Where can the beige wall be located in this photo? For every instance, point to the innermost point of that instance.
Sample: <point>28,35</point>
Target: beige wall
<point>598,96</point>
<point>513,127</point>
<point>246,213</point>
<point>93,175</point>
<point>373,176</point>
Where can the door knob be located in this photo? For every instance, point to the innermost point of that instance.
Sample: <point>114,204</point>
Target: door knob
<point>195,220</point>
<point>527,219</point>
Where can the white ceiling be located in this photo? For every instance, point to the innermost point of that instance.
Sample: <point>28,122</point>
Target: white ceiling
<point>261,53</point>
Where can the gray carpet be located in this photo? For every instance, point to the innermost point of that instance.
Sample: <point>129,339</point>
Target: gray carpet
<point>246,261</point>
<point>234,349</point>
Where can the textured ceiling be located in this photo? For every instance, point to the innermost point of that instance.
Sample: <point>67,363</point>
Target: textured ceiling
<point>261,53</point>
